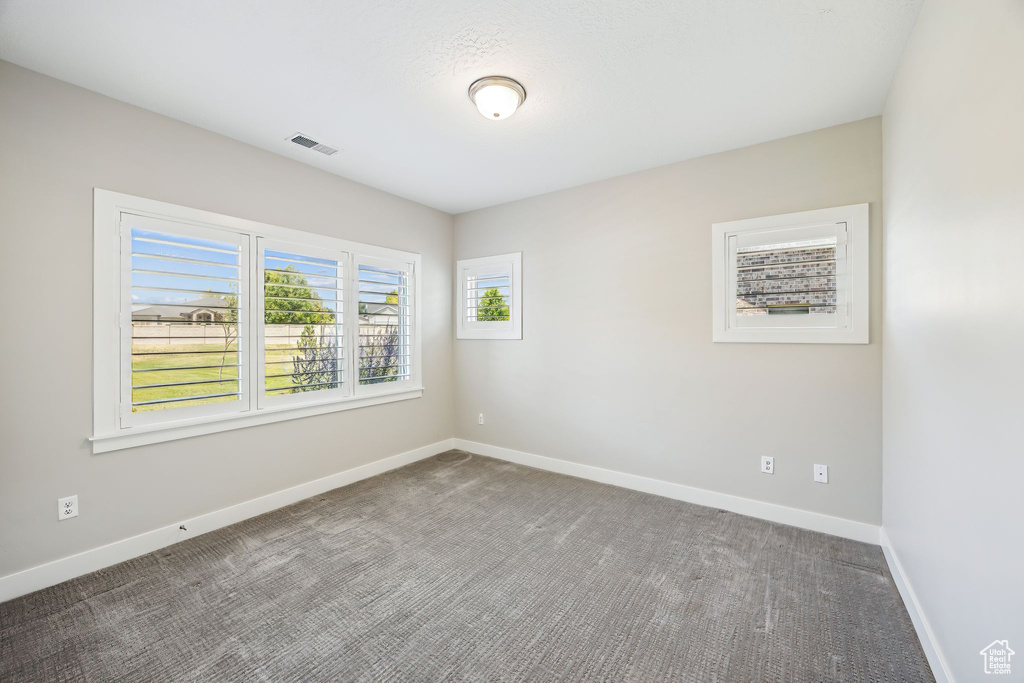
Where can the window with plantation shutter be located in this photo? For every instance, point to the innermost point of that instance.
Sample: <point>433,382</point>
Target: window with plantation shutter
<point>300,322</point>
<point>490,297</point>
<point>798,278</point>
<point>204,322</point>
<point>385,323</point>
<point>184,321</point>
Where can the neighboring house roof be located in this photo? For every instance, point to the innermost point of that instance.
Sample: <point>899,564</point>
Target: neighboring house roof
<point>178,311</point>
<point>159,311</point>
<point>379,309</point>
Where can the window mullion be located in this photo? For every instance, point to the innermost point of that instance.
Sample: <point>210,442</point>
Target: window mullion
<point>351,324</point>
<point>254,348</point>
<point>124,322</point>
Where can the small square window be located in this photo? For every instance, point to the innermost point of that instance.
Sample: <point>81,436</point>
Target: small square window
<point>490,297</point>
<point>796,278</point>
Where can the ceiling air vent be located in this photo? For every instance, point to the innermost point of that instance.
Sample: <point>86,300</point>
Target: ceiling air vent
<point>300,139</point>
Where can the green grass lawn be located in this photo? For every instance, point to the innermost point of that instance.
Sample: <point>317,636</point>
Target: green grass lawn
<point>218,380</point>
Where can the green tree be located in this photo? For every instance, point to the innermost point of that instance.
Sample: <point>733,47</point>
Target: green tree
<point>290,300</point>
<point>492,306</point>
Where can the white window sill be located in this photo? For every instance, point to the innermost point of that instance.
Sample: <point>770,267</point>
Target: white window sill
<point>140,436</point>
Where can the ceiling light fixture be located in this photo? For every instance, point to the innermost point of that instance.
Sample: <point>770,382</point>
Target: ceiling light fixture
<point>497,97</point>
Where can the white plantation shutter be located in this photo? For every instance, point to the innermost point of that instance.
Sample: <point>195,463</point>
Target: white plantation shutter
<point>300,322</point>
<point>183,320</point>
<point>490,296</point>
<point>204,323</point>
<point>795,277</point>
<point>385,311</point>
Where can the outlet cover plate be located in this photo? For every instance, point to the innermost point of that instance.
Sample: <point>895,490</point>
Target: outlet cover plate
<point>767,464</point>
<point>67,508</point>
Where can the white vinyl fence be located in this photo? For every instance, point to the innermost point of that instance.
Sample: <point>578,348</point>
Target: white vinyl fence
<point>164,334</point>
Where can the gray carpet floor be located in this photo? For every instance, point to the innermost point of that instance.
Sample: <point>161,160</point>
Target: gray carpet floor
<point>461,567</point>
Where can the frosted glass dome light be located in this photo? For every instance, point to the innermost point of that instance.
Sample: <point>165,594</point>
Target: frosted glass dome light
<point>497,97</point>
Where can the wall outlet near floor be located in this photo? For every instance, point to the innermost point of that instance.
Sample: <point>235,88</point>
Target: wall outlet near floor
<point>480,419</point>
<point>821,474</point>
<point>67,508</point>
<point>767,464</point>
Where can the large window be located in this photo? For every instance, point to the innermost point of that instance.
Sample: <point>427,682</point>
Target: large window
<point>206,322</point>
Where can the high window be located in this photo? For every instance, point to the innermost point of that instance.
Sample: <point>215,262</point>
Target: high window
<point>204,322</point>
<point>798,278</point>
<point>490,297</point>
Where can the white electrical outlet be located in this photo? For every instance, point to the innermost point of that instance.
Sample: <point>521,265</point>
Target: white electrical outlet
<point>67,508</point>
<point>821,473</point>
<point>480,419</point>
<point>767,464</point>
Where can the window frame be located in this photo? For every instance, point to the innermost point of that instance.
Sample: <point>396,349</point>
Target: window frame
<point>111,277</point>
<point>791,226</point>
<point>511,329</point>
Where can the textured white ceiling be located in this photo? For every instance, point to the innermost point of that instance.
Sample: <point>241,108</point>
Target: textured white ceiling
<point>613,86</point>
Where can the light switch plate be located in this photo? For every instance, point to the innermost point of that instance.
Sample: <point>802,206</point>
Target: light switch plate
<point>821,474</point>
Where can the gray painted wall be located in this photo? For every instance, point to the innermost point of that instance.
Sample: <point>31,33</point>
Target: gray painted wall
<point>617,368</point>
<point>59,142</point>
<point>953,399</point>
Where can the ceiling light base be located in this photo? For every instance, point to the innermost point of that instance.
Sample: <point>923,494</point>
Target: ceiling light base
<point>497,97</point>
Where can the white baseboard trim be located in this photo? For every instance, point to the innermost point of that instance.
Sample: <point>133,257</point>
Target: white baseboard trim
<point>815,521</point>
<point>938,663</point>
<point>52,573</point>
